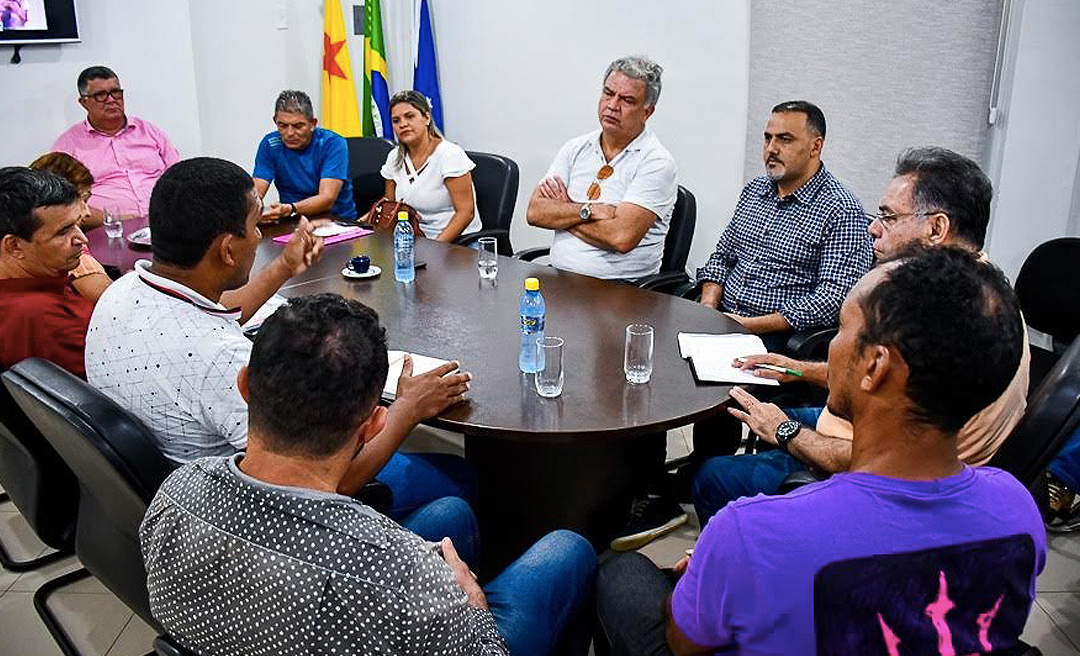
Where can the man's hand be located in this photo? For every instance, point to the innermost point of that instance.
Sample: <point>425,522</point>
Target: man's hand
<point>466,580</point>
<point>601,212</point>
<point>303,250</point>
<point>680,565</point>
<point>276,212</point>
<point>430,393</point>
<point>553,188</point>
<point>762,418</point>
<point>750,362</point>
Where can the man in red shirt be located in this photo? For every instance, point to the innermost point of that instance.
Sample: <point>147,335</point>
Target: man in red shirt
<point>41,314</point>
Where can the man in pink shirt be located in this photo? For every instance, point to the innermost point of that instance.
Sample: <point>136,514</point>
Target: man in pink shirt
<point>125,154</point>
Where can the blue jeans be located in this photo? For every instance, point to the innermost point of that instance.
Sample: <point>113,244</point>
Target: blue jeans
<point>419,478</point>
<point>723,479</point>
<point>448,517</point>
<point>543,595</point>
<point>1066,464</point>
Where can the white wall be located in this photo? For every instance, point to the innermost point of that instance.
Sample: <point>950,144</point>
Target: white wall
<point>1036,146</point>
<point>148,44</point>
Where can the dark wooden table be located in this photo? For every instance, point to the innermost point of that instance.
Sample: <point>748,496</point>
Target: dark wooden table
<point>570,462</point>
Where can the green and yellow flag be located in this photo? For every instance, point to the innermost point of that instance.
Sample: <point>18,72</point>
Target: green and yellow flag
<point>339,109</point>
<point>376,103</point>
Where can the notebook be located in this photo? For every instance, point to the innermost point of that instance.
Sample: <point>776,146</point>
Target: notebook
<point>711,356</point>
<point>421,364</point>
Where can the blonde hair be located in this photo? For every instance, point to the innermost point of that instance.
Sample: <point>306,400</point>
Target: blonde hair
<point>421,104</point>
<point>66,167</point>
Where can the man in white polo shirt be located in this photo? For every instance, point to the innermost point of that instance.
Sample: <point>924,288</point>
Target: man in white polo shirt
<point>609,193</point>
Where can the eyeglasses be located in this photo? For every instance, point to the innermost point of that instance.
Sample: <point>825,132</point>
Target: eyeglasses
<point>100,96</point>
<point>888,220</point>
<point>604,173</point>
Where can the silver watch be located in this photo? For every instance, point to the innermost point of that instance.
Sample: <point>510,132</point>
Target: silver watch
<point>585,212</point>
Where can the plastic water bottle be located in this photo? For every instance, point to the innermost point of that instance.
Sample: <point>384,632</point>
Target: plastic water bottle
<point>532,326</point>
<point>404,269</point>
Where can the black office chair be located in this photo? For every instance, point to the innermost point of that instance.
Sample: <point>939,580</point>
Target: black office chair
<point>680,235</point>
<point>366,157</point>
<point>40,485</point>
<point>1048,287</point>
<point>495,179</point>
<point>167,646</point>
<point>119,468</point>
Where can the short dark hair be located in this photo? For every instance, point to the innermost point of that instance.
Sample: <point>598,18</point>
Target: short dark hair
<point>193,202</point>
<point>93,73</point>
<point>815,118</point>
<point>956,322</point>
<point>316,371</point>
<point>22,190</point>
<point>951,183</point>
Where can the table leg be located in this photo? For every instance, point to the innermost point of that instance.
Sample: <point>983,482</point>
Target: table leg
<point>527,489</point>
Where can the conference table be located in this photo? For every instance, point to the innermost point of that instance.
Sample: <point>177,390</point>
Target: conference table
<point>574,461</point>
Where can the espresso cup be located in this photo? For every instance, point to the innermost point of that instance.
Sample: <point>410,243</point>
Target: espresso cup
<point>359,264</point>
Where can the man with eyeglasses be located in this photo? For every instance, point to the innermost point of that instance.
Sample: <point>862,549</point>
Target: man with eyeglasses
<point>936,198</point>
<point>609,193</point>
<point>125,154</point>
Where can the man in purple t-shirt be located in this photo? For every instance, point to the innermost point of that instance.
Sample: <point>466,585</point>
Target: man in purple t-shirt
<point>911,551</point>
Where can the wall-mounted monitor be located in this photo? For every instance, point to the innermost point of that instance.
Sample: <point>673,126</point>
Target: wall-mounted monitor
<point>25,22</point>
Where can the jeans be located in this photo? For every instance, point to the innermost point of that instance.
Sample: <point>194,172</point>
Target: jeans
<point>543,595</point>
<point>419,478</point>
<point>723,479</point>
<point>1066,464</point>
<point>448,517</point>
<point>630,596</point>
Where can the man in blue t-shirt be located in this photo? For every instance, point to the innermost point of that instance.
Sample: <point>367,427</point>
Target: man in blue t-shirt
<point>910,551</point>
<point>309,164</point>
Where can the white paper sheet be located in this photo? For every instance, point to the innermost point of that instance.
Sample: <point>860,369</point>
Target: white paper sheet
<point>712,356</point>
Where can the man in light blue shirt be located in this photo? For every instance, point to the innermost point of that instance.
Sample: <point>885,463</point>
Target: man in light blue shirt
<point>308,164</point>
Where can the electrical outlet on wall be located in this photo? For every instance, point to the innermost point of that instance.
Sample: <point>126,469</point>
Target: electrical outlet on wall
<point>282,15</point>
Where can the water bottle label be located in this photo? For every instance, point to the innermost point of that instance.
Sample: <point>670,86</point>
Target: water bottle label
<point>531,324</point>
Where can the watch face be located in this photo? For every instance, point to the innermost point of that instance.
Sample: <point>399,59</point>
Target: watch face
<point>787,430</point>
<point>584,212</point>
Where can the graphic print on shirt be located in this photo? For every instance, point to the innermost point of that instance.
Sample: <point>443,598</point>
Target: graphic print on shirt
<point>969,598</point>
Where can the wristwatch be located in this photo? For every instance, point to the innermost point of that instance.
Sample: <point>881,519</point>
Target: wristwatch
<point>293,212</point>
<point>786,432</point>
<point>585,212</point>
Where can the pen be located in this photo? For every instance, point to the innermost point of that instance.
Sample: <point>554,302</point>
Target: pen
<point>773,367</point>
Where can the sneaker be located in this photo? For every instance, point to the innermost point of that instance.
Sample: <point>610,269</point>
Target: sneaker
<point>650,517</point>
<point>1063,507</point>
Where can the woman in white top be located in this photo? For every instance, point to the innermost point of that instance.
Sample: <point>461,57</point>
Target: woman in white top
<point>428,172</point>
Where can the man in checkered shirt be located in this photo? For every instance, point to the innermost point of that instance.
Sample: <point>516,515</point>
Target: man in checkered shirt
<point>798,240</point>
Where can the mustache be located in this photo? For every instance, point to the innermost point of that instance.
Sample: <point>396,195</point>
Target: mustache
<point>774,159</point>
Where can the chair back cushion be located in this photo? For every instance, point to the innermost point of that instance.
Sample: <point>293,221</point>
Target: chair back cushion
<point>366,157</point>
<point>116,461</point>
<point>680,232</point>
<point>1048,287</point>
<point>495,179</point>
<point>1053,414</point>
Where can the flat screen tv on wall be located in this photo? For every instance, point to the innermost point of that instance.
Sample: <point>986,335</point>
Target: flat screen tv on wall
<point>25,22</point>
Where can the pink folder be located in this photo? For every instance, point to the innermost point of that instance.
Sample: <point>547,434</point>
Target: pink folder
<point>333,239</point>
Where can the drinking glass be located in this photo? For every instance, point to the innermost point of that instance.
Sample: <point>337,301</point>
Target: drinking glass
<point>487,262</point>
<point>637,360</point>
<point>549,378</point>
<point>114,227</point>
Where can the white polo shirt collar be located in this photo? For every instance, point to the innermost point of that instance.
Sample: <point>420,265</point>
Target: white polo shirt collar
<point>170,287</point>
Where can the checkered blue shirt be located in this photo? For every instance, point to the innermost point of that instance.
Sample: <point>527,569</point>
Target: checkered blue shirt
<point>798,255</point>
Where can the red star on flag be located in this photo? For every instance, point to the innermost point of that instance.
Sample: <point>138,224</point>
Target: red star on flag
<point>330,51</point>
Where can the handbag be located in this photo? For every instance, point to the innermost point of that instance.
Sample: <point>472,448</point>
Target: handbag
<point>382,217</point>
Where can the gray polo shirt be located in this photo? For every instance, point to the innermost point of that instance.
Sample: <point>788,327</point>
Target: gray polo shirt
<point>238,566</point>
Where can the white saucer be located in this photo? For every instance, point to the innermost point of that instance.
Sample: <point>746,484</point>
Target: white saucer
<point>140,237</point>
<point>371,272</point>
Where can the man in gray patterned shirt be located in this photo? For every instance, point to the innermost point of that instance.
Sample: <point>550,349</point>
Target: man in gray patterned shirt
<point>258,553</point>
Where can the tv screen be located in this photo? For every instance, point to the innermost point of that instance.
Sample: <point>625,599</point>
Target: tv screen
<point>38,21</point>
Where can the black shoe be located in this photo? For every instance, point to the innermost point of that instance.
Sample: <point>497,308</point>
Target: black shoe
<point>650,517</point>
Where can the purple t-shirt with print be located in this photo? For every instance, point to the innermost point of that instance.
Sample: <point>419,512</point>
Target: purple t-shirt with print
<point>864,564</point>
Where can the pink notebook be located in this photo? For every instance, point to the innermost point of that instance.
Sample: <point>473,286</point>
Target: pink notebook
<point>345,235</point>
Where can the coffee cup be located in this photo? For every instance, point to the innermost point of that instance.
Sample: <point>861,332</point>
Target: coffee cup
<point>359,264</point>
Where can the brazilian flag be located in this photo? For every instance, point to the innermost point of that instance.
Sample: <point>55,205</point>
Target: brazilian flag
<point>376,102</point>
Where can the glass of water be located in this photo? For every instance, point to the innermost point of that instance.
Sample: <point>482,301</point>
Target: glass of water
<point>549,377</point>
<point>487,261</point>
<point>114,227</point>
<point>637,358</point>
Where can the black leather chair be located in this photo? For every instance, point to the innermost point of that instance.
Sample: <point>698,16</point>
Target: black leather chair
<point>366,157</point>
<point>495,179</point>
<point>40,485</point>
<point>167,646</point>
<point>1048,287</point>
<point>680,235</point>
<point>118,467</point>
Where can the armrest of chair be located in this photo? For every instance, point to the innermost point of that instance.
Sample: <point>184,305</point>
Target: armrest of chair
<point>811,343</point>
<point>665,281</point>
<point>501,236</point>
<point>530,254</point>
<point>689,290</point>
<point>166,646</point>
<point>376,495</point>
<point>795,480</point>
